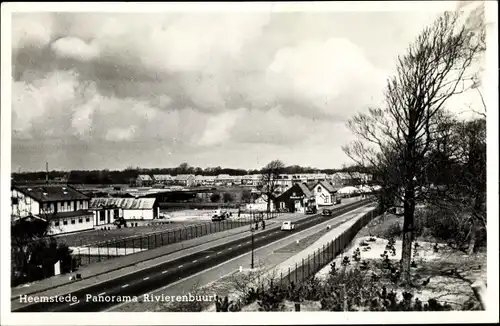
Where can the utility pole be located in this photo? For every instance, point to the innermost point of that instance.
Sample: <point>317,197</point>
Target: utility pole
<point>47,172</point>
<point>252,263</point>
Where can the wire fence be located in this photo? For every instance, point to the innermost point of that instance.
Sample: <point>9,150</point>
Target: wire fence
<point>323,256</point>
<point>106,250</point>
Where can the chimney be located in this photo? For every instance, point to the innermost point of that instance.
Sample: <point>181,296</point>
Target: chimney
<point>47,172</point>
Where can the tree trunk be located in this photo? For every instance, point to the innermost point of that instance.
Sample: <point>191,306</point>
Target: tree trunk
<point>472,238</point>
<point>474,221</point>
<point>409,210</point>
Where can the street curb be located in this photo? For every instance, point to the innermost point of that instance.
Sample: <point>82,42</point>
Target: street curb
<point>136,262</point>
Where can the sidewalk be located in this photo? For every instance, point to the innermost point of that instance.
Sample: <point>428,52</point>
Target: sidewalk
<point>323,241</point>
<point>217,277</point>
<point>281,262</point>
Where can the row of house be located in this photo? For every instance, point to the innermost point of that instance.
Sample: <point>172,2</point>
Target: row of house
<point>283,180</point>
<point>301,195</point>
<point>68,210</point>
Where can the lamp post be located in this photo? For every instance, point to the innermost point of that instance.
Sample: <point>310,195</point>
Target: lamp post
<point>252,230</point>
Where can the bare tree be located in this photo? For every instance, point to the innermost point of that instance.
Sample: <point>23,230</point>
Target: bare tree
<point>269,180</point>
<point>397,138</point>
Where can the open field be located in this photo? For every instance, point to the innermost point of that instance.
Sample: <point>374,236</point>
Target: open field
<point>96,236</point>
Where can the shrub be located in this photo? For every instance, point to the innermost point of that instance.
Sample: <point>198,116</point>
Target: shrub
<point>446,225</point>
<point>215,197</point>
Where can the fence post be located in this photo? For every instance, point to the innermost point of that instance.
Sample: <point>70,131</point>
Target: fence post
<point>281,279</point>
<point>149,244</point>
<point>289,275</point>
<point>297,271</point>
<point>161,236</point>
<point>107,246</point>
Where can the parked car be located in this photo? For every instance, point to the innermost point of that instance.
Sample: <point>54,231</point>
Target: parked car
<point>220,216</point>
<point>287,226</point>
<point>311,210</point>
<point>327,212</point>
<point>337,200</point>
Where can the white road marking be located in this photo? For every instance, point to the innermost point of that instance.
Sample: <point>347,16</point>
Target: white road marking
<point>207,256</point>
<point>247,242</point>
<point>164,271</point>
<point>146,278</point>
<point>71,304</point>
<point>229,248</point>
<point>113,308</point>
<point>180,266</point>
<point>101,293</point>
<point>124,286</point>
<point>194,261</point>
<point>218,253</point>
<point>239,245</point>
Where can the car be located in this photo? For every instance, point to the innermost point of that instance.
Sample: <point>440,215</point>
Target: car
<point>337,200</point>
<point>287,226</point>
<point>327,212</point>
<point>220,216</point>
<point>311,210</point>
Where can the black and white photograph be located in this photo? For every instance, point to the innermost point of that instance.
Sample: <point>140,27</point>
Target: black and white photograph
<point>296,158</point>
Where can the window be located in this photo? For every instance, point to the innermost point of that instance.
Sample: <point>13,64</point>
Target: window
<point>319,189</point>
<point>56,223</point>
<point>102,216</point>
<point>73,221</point>
<point>77,205</point>
<point>65,222</point>
<point>80,220</point>
<point>15,200</point>
<point>87,219</point>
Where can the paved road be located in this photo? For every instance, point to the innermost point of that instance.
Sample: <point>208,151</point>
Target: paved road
<point>143,281</point>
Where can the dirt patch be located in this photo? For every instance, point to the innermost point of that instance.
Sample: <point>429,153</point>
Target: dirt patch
<point>438,271</point>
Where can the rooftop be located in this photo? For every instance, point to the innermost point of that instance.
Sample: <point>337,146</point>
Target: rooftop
<point>49,193</point>
<point>123,203</point>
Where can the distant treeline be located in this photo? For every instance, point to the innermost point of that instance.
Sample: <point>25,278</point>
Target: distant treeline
<point>129,175</point>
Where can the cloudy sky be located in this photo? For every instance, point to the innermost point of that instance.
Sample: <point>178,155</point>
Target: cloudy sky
<point>111,90</point>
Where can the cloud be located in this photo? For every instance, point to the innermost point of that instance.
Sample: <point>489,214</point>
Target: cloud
<point>31,29</point>
<point>75,48</point>
<point>196,84</point>
<point>119,134</point>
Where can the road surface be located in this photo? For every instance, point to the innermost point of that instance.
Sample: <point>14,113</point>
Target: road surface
<point>135,284</point>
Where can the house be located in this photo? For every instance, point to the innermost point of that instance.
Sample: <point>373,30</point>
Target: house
<point>209,180</point>
<point>315,177</point>
<point>165,179</point>
<point>63,207</point>
<point>199,180</point>
<point>186,180</point>
<point>144,180</point>
<point>324,193</point>
<point>260,204</point>
<point>296,198</point>
<point>106,210</point>
<point>251,179</point>
<point>237,180</point>
<point>350,178</point>
<point>224,179</point>
<point>284,181</point>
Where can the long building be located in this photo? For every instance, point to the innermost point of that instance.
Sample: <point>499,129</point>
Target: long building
<point>108,209</point>
<point>63,207</point>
